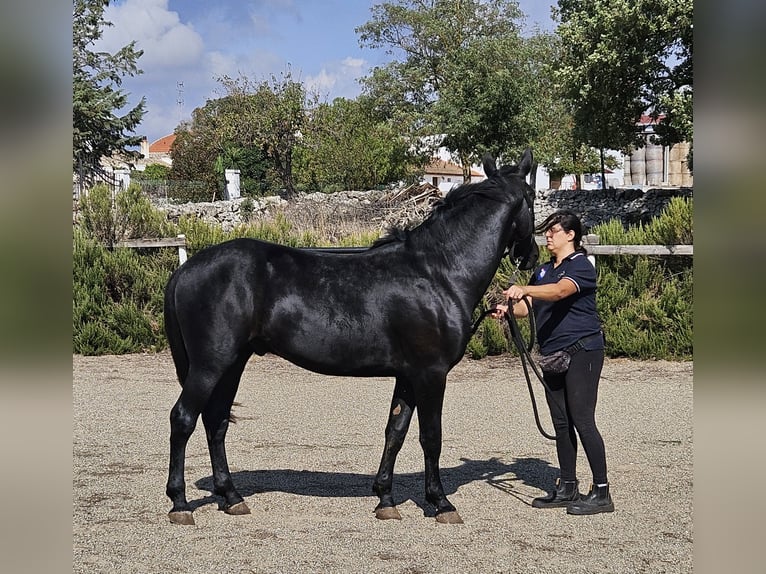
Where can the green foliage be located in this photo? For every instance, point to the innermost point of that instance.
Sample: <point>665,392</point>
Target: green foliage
<point>246,208</point>
<point>97,215</point>
<point>646,303</point>
<point>455,70</point>
<point>131,215</point>
<point>97,130</point>
<point>345,146</point>
<point>494,337</point>
<point>117,297</point>
<point>196,148</point>
<point>675,226</point>
<point>152,172</point>
<point>269,115</point>
<point>476,348</point>
<point>621,58</point>
<point>135,216</point>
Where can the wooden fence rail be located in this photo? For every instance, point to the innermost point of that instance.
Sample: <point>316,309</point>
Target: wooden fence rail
<point>178,241</point>
<point>591,243</point>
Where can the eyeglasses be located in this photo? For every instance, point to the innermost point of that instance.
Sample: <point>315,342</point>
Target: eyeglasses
<point>553,230</point>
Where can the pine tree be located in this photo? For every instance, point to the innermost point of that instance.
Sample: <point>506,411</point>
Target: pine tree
<point>97,98</point>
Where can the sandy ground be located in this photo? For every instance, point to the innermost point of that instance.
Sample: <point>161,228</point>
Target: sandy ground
<point>305,450</point>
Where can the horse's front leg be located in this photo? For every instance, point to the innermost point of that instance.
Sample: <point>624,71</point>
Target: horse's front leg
<point>430,399</point>
<point>399,417</point>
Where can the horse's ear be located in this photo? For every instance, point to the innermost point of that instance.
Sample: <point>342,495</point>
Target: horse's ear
<point>488,163</point>
<point>525,165</point>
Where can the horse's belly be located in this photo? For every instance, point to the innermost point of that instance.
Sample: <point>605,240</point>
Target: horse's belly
<point>344,362</point>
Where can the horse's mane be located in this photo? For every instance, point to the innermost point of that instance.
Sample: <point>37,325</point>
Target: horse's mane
<point>492,188</point>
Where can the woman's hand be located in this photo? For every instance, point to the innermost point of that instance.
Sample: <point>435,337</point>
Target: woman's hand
<point>500,311</point>
<point>515,293</point>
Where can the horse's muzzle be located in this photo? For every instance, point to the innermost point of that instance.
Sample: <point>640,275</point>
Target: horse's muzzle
<point>526,253</point>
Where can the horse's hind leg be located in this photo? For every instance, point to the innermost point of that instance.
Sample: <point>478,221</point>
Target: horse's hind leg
<point>198,387</point>
<point>215,417</point>
<point>183,419</point>
<point>399,417</point>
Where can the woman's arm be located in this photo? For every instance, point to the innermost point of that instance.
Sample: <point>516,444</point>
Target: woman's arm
<point>550,292</point>
<point>520,309</point>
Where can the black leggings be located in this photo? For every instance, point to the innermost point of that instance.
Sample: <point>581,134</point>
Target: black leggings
<point>572,402</point>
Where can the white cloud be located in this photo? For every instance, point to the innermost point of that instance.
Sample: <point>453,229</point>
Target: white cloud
<point>181,61</point>
<point>340,79</point>
<point>165,40</point>
<point>354,64</point>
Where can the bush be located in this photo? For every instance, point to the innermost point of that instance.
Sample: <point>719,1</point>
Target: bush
<point>646,302</point>
<point>117,297</point>
<point>130,215</point>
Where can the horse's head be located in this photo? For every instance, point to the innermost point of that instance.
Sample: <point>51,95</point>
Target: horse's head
<point>522,245</point>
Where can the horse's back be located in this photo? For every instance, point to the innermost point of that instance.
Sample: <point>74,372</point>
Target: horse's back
<point>368,313</point>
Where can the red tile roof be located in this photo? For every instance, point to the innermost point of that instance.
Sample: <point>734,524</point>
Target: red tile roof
<point>163,144</point>
<point>647,119</point>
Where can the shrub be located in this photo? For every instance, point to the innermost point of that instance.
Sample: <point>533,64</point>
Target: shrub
<point>117,297</point>
<point>646,302</point>
<point>97,215</point>
<point>246,208</point>
<point>476,348</point>
<point>129,215</point>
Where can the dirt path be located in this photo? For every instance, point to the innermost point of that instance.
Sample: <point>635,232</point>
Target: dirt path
<point>306,448</point>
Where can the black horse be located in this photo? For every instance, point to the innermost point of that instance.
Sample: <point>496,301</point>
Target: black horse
<point>402,308</point>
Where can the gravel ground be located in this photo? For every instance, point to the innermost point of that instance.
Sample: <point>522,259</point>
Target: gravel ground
<point>305,450</point>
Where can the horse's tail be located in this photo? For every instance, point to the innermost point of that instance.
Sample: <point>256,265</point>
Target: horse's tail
<point>173,331</point>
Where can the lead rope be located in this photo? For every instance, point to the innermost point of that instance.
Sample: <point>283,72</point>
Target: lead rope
<point>525,350</point>
<point>525,353</point>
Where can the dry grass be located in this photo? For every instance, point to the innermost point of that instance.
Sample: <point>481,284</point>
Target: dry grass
<point>359,222</point>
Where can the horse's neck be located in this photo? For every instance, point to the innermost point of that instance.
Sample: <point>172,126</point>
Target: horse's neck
<point>473,245</point>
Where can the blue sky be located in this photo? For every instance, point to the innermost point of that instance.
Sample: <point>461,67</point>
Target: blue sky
<point>193,42</point>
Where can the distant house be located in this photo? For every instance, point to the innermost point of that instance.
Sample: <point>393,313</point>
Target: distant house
<point>445,175</point>
<point>157,152</point>
<point>117,168</point>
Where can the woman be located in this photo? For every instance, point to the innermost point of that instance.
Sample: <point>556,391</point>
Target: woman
<point>563,299</point>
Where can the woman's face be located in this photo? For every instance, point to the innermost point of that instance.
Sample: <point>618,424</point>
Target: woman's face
<point>557,240</point>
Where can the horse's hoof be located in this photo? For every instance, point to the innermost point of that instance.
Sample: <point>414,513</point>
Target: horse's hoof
<point>237,509</point>
<point>184,517</point>
<point>387,513</point>
<point>451,517</point>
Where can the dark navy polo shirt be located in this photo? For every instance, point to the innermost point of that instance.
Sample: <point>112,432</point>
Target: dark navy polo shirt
<point>563,323</point>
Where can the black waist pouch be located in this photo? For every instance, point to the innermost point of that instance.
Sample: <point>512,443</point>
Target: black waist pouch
<point>558,363</point>
<point>555,363</point>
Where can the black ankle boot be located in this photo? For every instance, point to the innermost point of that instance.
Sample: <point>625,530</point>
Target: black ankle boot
<point>565,493</point>
<point>597,500</point>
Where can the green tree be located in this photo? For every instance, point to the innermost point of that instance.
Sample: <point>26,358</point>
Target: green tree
<point>152,172</point>
<point>270,115</point>
<point>197,146</point>
<point>97,129</point>
<point>345,146</point>
<point>621,58</point>
<point>457,72</point>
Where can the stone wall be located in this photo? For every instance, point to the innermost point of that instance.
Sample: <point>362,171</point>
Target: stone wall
<point>594,206</point>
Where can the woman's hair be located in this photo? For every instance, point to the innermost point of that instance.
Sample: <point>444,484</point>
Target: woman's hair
<point>568,221</point>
